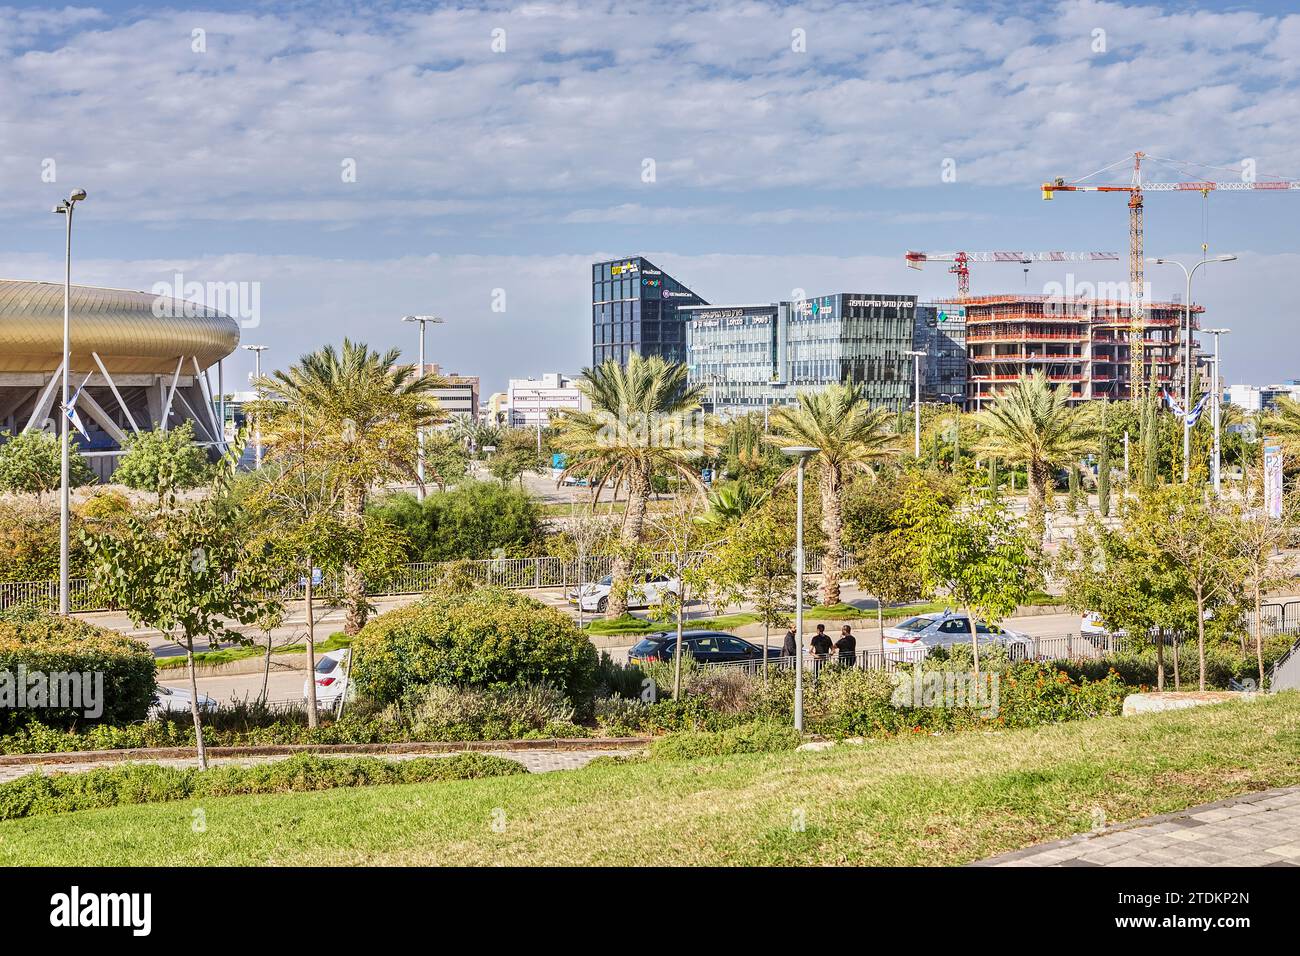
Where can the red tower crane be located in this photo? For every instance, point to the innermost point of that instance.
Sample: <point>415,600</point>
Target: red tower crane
<point>961,261</point>
<point>1137,260</point>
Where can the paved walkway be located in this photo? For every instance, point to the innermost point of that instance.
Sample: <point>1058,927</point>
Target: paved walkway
<point>1258,829</point>
<point>537,761</point>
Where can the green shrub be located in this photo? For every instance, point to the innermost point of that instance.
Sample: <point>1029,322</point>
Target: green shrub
<point>51,644</point>
<point>37,793</point>
<point>750,738</point>
<point>476,519</point>
<point>162,460</point>
<point>474,639</point>
<point>438,712</point>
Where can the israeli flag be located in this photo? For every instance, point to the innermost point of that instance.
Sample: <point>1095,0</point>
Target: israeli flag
<point>1195,413</point>
<point>71,410</point>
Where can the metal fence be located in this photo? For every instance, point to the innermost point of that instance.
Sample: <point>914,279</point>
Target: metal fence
<point>513,573</point>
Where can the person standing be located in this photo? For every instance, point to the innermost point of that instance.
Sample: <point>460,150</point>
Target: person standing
<point>847,645</point>
<point>821,642</point>
<point>790,646</point>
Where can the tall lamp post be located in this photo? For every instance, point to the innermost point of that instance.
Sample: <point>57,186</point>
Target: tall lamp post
<point>257,351</point>
<point>916,355</point>
<point>951,398</point>
<point>419,432</point>
<point>1187,349</point>
<point>1216,396</point>
<point>801,452</point>
<point>65,208</point>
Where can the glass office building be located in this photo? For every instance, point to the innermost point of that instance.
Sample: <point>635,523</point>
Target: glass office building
<point>751,356</point>
<point>634,308</point>
<point>940,331</point>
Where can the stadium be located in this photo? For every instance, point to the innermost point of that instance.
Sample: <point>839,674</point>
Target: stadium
<point>139,361</point>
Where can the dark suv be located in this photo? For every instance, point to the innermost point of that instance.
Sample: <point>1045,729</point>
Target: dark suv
<point>707,647</point>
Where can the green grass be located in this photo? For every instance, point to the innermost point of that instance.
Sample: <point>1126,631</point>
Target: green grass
<point>914,800</point>
<point>227,655</point>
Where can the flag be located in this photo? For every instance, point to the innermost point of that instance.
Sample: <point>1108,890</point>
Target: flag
<point>71,410</point>
<point>1195,413</point>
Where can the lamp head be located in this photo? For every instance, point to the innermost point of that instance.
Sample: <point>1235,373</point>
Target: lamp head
<point>77,195</point>
<point>1229,257</point>
<point>800,451</point>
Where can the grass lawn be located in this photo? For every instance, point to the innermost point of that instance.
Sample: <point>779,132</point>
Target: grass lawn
<point>905,801</point>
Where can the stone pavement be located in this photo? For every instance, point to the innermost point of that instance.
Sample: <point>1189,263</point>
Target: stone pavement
<point>537,761</point>
<point>1257,829</point>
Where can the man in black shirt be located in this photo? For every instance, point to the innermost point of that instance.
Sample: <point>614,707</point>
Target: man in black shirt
<point>790,647</point>
<point>821,642</point>
<point>847,645</point>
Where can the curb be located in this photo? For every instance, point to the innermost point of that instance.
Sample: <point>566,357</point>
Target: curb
<point>275,750</point>
<point>1174,817</point>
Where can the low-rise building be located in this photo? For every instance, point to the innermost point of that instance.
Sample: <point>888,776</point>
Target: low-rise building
<point>530,401</point>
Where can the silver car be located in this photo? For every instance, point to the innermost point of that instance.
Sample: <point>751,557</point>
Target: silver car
<point>912,639</point>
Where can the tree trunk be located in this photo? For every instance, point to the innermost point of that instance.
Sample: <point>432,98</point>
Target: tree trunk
<point>354,588</point>
<point>974,643</point>
<point>832,527</point>
<point>1178,678</point>
<point>638,495</point>
<point>312,720</point>
<point>194,704</point>
<point>1036,508</point>
<point>1259,634</point>
<point>1160,659</point>
<point>1200,638</point>
<point>677,653</point>
<point>266,670</point>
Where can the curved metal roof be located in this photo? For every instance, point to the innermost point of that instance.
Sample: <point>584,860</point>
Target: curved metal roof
<point>123,327</point>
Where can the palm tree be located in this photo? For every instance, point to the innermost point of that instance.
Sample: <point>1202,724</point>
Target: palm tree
<point>644,420</point>
<point>1033,422</point>
<point>730,503</point>
<point>1285,424</point>
<point>363,411</point>
<point>850,436</point>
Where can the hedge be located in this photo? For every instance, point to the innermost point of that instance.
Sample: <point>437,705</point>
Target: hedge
<point>50,644</point>
<point>472,639</point>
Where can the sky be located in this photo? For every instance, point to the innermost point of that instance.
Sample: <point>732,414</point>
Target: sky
<point>353,163</point>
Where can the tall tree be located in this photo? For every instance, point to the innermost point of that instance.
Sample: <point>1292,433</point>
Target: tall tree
<point>162,461</point>
<point>850,437</point>
<point>1032,422</point>
<point>362,411</point>
<point>31,462</point>
<point>644,420</point>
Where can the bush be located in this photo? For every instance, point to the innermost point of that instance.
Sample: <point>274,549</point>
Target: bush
<point>32,462</point>
<point>757,737</point>
<point>52,644</point>
<point>474,639</point>
<point>162,461</point>
<point>38,794</point>
<point>502,713</point>
<point>476,519</point>
<point>29,541</point>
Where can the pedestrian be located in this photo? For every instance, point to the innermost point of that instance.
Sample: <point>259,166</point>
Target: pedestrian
<point>821,642</point>
<point>790,647</point>
<point>847,645</point>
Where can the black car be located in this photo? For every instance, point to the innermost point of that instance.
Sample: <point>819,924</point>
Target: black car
<point>707,647</point>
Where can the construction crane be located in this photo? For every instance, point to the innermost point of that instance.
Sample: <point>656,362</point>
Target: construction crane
<point>961,261</point>
<point>1136,254</point>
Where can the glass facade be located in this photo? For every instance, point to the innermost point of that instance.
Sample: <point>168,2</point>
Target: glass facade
<point>940,332</point>
<point>634,308</point>
<point>748,357</point>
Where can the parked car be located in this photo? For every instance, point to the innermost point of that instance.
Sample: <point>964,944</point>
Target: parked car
<point>912,639</point>
<point>331,679</point>
<point>176,700</point>
<point>643,592</point>
<point>707,647</point>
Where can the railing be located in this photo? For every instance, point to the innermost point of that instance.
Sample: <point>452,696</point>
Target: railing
<point>512,573</point>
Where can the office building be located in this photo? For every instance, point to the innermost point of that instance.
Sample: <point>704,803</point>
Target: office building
<point>749,357</point>
<point>459,394</point>
<point>940,332</point>
<point>634,309</point>
<point>530,401</point>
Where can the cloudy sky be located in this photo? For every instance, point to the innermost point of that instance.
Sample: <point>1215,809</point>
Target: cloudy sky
<point>360,162</point>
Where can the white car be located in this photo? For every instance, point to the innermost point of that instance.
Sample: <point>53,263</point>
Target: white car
<point>331,680</point>
<point>643,592</point>
<point>912,639</point>
<point>176,700</point>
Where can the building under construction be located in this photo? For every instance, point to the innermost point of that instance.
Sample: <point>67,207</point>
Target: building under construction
<point>1080,343</point>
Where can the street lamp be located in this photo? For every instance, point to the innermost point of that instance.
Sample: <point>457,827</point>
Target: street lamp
<point>916,398</point>
<point>65,208</point>
<point>257,351</point>
<point>801,452</point>
<point>1187,348</point>
<point>951,399</point>
<point>419,432</point>
<point>1216,396</point>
